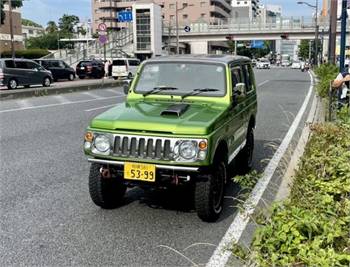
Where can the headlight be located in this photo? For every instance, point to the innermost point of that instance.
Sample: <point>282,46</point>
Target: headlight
<point>102,144</point>
<point>188,149</point>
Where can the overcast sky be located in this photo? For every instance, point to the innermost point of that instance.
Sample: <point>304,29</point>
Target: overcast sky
<point>42,11</point>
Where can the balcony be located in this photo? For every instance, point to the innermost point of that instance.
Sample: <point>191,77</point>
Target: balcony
<point>223,3</point>
<point>218,12</point>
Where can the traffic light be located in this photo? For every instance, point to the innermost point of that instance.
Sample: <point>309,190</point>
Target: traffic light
<point>284,36</point>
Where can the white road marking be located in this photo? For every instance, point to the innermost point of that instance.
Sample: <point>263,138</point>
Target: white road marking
<point>59,104</point>
<point>88,110</point>
<point>221,254</point>
<point>61,99</point>
<point>114,91</point>
<point>24,103</point>
<point>92,95</point>
<point>262,83</point>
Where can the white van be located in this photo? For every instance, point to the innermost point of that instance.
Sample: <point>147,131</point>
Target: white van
<point>124,67</point>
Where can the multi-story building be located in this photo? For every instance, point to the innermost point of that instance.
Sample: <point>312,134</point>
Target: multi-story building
<point>32,31</point>
<point>188,11</point>
<point>5,33</point>
<point>245,9</point>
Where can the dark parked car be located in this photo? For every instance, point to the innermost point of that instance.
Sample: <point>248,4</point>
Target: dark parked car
<point>58,68</point>
<point>90,68</point>
<point>16,72</point>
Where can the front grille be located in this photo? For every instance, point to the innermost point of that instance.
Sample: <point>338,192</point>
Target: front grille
<point>143,147</point>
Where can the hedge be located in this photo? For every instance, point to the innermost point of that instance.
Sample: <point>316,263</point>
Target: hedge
<point>325,73</point>
<point>311,228</point>
<point>28,53</point>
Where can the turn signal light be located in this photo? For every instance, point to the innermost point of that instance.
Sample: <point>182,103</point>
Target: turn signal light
<point>202,145</point>
<point>89,137</point>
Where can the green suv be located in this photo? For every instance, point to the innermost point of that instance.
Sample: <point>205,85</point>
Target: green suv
<point>185,120</point>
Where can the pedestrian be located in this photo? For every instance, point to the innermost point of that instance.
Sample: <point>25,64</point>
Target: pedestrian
<point>342,84</point>
<point>107,63</point>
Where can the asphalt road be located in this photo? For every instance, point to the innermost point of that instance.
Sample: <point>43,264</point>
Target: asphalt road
<point>47,217</point>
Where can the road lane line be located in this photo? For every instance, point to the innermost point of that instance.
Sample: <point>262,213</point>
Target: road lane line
<point>262,83</point>
<point>59,104</point>
<point>92,95</point>
<point>222,254</point>
<point>114,91</point>
<point>88,110</point>
<point>61,99</point>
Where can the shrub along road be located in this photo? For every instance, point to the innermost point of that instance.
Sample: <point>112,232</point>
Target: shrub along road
<point>46,215</point>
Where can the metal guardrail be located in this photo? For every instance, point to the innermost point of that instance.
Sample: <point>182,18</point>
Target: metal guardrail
<point>335,103</point>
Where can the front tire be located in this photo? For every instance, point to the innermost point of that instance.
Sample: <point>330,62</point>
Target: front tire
<point>209,193</point>
<point>71,77</point>
<point>106,193</point>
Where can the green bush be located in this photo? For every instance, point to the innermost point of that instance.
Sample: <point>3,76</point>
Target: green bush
<point>325,73</point>
<point>312,228</point>
<point>28,53</point>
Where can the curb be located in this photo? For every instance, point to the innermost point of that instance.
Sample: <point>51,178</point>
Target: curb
<point>37,92</point>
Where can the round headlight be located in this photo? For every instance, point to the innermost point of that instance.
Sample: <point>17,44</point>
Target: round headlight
<point>188,150</point>
<point>102,144</point>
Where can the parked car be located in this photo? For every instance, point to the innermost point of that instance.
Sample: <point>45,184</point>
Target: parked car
<point>285,63</point>
<point>91,69</point>
<point>254,61</point>
<point>182,124</point>
<point>18,72</point>
<point>296,64</point>
<point>124,67</point>
<point>263,63</point>
<point>59,69</point>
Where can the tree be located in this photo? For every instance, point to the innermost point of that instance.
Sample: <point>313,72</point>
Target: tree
<point>51,27</point>
<point>304,49</point>
<point>28,22</point>
<point>67,23</point>
<point>15,3</point>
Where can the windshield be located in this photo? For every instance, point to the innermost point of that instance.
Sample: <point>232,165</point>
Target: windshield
<point>184,76</point>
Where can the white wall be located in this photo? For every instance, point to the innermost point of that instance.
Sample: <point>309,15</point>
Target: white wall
<point>199,47</point>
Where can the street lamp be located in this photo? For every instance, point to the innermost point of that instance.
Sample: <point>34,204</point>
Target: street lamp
<point>177,24</point>
<point>316,27</point>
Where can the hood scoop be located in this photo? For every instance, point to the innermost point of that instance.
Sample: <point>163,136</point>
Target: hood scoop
<point>175,110</point>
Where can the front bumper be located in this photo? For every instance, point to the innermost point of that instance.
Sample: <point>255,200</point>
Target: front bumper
<point>158,166</point>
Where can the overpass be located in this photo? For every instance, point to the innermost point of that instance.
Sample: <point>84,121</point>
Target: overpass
<point>202,33</point>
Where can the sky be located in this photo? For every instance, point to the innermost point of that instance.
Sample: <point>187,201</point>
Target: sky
<point>42,11</point>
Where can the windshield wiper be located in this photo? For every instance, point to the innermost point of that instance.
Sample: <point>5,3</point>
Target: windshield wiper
<point>199,91</point>
<point>158,89</point>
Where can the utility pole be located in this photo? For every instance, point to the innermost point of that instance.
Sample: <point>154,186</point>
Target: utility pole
<point>316,35</point>
<point>177,28</point>
<point>343,35</point>
<point>11,30</point>
<point>332,32</point>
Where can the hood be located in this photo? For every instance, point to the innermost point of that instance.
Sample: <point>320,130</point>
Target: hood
<point>198,119</point>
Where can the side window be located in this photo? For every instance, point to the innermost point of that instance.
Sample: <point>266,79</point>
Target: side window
<point>10,64</point>
<point>54,64</point>
<point>236,76</point>
<point>32,65</point>
<point>21,65</point>
<point>248,77</point>
<point>134,62</point>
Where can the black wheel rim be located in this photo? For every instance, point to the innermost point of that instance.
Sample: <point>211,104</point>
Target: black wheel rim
<point>218,187</point>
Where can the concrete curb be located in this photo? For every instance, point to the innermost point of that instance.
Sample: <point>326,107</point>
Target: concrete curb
<point>44,91</point>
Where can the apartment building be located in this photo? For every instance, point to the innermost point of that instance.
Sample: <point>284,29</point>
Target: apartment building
<point>5,37</point>
<point>188,11</point>
<point>245,9</point>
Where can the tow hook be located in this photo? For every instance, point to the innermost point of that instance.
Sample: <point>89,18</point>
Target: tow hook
<point>105,172</point>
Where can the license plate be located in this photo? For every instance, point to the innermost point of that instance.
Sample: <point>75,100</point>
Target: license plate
<point>139,172</point>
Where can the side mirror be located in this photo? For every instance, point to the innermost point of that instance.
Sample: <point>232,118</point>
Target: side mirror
<point>239,90</point>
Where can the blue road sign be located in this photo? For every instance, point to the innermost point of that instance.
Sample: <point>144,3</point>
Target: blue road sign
<point>125,16</point>
<point>187,28</point>
<point>257,44</point>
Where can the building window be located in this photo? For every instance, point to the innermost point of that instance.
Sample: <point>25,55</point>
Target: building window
<point>172,17</point>
<point>31,32</point>
<point>203,15</point>
<point>171,6</point>
<point>184,5</point>
<point>203,4</point>
<point>184,16</point>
